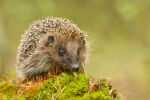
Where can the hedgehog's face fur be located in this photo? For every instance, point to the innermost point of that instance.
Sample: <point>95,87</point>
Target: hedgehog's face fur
<point>65,50</point>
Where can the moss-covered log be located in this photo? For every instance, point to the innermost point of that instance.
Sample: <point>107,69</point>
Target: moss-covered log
<point>63,87</point>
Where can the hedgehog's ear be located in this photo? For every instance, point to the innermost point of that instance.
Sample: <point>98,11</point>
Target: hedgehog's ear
<point>83,42</point>
<point>51,39</point>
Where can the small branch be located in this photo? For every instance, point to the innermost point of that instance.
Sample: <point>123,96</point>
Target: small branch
<point>58,84</point>
<point>20,94</point>
<point>75,74</point>
<point>122,97</point>
<point>60,92</point>
<point>53,97</point>
<point>39,95</point>
<point>54,86</point>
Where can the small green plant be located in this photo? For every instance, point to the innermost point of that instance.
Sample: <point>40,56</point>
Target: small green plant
<point>62,87</point>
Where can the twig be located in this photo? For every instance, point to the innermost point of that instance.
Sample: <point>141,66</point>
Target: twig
<point>75,74</point>
<point>58,84</point>
<point>60,92</point>
<point>53,97</point>
<point>39,95</point>
<point>20,94</point>
<point>54,86</point>
<point>84,69</point>
<point>122,97</point>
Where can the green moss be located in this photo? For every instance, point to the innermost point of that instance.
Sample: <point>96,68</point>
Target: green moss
<point>95,96</point>
<point>63,87</point>
<point>9,90</point>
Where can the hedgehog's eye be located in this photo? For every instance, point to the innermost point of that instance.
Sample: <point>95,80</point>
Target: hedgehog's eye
<point>61,52</point>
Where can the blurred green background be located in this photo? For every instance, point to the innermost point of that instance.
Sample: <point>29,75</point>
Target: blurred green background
<point>119,31</point>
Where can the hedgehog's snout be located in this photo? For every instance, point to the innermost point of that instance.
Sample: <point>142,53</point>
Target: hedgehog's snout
<point>75,67</point>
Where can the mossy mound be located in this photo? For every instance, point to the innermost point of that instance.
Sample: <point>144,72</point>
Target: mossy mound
<point>63,87</point>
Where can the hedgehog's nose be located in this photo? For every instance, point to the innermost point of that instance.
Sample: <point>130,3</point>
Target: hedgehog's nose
<point>75,67</point>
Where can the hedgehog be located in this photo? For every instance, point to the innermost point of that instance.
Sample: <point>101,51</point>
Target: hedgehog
<point>51,45</point>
